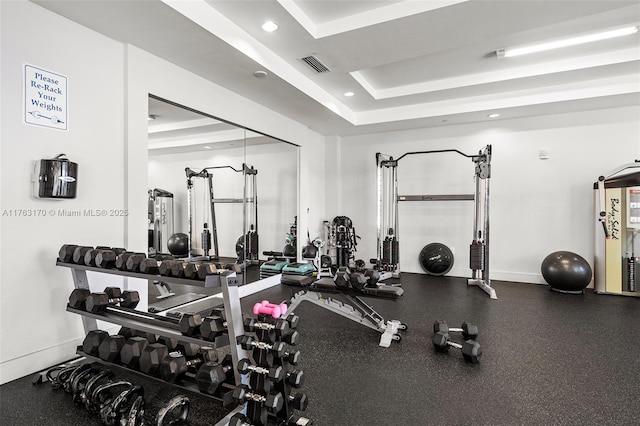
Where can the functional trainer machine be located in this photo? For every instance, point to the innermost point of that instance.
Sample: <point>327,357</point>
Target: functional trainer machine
<point>248,242</point>
<point>387,185</point>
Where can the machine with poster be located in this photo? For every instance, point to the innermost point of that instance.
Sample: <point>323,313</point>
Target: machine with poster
<point>617,243</point>
<point>160,220</point>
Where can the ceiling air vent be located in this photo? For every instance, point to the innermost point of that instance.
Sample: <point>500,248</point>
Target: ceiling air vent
<point>315,63</point>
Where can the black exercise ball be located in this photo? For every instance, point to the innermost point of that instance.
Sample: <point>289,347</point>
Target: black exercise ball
<point>178,244</point>
<point>289,250</point>
<point>436,259</point>
<point>566,271</point>
<point>309,251</point>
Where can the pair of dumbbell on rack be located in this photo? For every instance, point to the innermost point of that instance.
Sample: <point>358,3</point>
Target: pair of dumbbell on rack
<point>112,299</point>
<point>160,357</point>
<point>121,259</point>
<point>471,349</point>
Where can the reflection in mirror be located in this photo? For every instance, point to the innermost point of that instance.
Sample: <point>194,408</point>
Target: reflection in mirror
<point>277,165</point>
<point>217,192</point>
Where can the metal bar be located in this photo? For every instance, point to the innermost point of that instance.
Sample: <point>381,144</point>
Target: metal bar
<point>229,200</point>
<point>439,151</point>
<point>211,281</point>
<point>214,226</point>
<point>80,280</point>
<point>443,197</point>
<point>235,325</point>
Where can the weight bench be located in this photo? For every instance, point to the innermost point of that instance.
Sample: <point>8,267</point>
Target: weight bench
<point>353,307</point>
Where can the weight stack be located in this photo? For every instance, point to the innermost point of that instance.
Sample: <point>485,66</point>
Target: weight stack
<point>390,248</point>
<point>476,256</point>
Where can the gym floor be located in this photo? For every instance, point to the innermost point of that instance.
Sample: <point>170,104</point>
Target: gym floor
<point>548,358</point>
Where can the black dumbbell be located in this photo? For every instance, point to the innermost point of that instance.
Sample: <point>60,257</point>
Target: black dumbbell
<point>151,358</point>
<point>132,350</point>
<point>98,302</point>
<point>90,255</point>
<point>133,262</point>
<point>300,401</point>
<point>176,364</point>
<point>276,348</point>
<point>245,366</point>
<point>110,347</point>
<point>280,327</point>
<point>211,375</point>
<point>293,321</point>
<point>148,266</point>
<point>342,277</point>
<point>274,402</point>
<point>130,332</point>
<point>471,350</point>
<point>190,323</point>
<point>165,267</point>
<point>105,259</point>
<point>65,254</point>
<point>295,378</point>
<point>373,277</point>
<point>78,254</point>
<point>212,326</point>
<point>92,341</point>
<point>177,269</point>
<point>121,260</point>
<point>206,269</point>
<point>358,280</point>
<point>191,270</point>
<point>468,330</point>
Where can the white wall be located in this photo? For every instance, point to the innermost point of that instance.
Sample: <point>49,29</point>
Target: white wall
<point>109,85</point>
<point>35,328</point>
<point>536,206</point>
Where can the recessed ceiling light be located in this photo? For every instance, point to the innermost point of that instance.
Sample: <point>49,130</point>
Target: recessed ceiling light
<point>269,26</point>
<point>207,147</point>
<point>260,74</point>
<point>349,94</point>
<point>494,115</point>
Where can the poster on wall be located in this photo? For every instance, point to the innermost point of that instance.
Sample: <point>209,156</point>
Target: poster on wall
<point>45,98</point>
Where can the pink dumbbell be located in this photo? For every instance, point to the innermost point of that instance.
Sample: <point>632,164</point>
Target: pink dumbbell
<point>265,307</point>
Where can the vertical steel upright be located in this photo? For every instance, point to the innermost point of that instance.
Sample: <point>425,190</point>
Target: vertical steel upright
<point>479,248</point>
<point>387,212</point>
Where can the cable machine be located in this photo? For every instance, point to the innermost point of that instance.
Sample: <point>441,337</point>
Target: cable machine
<point>209,234</point>
<point>388,258</point>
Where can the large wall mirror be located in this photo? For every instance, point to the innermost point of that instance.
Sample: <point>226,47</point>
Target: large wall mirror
<point>232,191</point>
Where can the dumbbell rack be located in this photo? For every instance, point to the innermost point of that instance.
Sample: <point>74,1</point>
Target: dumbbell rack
<point>227,281</point>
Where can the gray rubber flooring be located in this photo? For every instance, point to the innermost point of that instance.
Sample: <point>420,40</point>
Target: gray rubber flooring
<point>548,359</point>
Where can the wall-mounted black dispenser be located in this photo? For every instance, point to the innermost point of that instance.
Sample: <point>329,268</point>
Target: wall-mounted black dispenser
<point>55,178</point>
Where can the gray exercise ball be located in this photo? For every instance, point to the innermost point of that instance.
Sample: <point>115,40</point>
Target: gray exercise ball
<point>178,244</point>
<point>566,271</point>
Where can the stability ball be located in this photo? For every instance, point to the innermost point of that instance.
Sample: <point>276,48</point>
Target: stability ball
<point>566,271</point>
<point>178,244</point>
<point>436,259</point>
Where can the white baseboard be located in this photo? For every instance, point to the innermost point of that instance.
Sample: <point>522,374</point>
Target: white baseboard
<point>37,361</point>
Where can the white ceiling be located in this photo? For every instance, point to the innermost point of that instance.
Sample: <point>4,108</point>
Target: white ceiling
<point>410,63</point>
